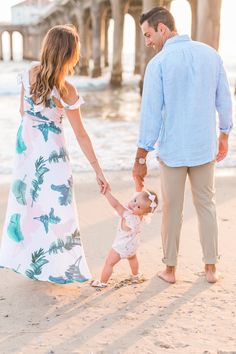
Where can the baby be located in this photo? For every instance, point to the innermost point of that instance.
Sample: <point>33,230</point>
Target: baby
<point>128,232</point>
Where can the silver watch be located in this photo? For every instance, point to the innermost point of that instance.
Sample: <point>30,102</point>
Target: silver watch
<point>140,160</point>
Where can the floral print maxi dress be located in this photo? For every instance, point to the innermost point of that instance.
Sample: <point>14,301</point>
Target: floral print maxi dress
<point>41,237</point>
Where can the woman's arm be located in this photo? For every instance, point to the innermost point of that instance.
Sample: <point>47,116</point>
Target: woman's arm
<point>82,137</point>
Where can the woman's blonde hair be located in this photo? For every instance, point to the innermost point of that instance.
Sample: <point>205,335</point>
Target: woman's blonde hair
<point>59,54</point>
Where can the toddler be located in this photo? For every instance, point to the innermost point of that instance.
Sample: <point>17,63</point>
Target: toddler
<point>128,232</point>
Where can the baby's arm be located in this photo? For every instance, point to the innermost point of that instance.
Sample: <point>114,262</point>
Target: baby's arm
<point>115,203</point>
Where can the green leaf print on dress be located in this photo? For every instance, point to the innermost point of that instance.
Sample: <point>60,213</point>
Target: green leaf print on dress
<point>72,274</point>
<point>20,145</point>
<point>39,234</point>
<point>55,157</point>
<point>49,104</point>
<point>14,229</point>
<point>46,127</point>
<point>66,192</point>
<point>59,280</point>
<point>19,190</point>
<point>60,245</point>
<point>48,219</point>
<point>40,171</point>
<point>38,261</point>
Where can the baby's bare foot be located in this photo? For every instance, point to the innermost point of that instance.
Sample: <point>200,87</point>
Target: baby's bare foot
<point>212,275</point>
<point>168,275</point>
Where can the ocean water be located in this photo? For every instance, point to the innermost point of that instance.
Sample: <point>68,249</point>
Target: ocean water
<point>111,117</point>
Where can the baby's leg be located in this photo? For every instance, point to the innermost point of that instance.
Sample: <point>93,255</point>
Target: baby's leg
<point>133,262</point>
<point>112,258</point>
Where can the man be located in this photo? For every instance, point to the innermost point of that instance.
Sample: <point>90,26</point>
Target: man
<point>184,85</point>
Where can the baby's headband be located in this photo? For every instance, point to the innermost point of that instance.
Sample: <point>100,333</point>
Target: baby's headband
<point>151,197</point>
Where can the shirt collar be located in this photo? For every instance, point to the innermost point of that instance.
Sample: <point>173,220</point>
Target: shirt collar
<point>177,39</point>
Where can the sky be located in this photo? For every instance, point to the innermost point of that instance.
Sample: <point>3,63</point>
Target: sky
<point>182,14</point>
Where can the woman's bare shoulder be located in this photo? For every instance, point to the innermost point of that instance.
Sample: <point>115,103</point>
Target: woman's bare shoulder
<point>72,94</point>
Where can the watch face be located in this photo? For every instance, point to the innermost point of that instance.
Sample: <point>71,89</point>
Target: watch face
<point>141,160</point>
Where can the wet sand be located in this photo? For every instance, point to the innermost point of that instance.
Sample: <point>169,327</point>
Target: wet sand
<point>190,316</point>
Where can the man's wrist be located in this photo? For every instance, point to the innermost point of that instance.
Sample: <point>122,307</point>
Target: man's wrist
<point>224,135</point>
<point>140,160</point>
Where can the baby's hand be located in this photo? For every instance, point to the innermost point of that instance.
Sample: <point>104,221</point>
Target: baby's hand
<point>103,183</point>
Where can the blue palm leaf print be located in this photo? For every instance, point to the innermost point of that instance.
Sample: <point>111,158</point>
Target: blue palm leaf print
<point>73,273</point>
<point>48,219</point>
<point>53,128</point>
<point>40,170</point>
<point>38,260</point>
<point>44,220</point>
<point>44,130</point>
<point>20,145</point>
<point>46,127</point>
<point>55,157</point>
<point>66,192</point>
<point>59,280</point>
<point>52,218</point>
<point>37,115</point>
<point>50,103</point>
<point>19,190</point>
<point>30,101</point>
<point>31,112</point>
<point>14,229</point>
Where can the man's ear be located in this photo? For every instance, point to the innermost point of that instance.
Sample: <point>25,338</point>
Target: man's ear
<point>162,27</point>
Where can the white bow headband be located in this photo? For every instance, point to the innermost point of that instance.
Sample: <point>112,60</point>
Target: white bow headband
<point>151,197</point>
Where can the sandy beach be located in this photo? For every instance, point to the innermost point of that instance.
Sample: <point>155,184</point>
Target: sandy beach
<point>190,316</point>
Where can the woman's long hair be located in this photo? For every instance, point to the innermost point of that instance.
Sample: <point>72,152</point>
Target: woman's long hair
<point>59,55</point>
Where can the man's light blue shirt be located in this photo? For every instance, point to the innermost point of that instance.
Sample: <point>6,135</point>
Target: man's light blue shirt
<point>184,85</point>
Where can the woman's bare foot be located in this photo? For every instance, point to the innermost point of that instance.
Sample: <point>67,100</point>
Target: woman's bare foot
<point>212,276</point>
<point>168,275</point>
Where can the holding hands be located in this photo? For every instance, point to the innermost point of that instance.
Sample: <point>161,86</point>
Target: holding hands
<point>102,182</point>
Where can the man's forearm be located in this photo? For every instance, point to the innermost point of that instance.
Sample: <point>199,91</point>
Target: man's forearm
<point>223,136</point>
<point>141,153</point>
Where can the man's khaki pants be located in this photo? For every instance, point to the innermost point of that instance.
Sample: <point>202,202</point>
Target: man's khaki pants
<point>172,186</point>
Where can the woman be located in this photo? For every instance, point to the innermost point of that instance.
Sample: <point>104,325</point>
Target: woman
<point>41,236</point>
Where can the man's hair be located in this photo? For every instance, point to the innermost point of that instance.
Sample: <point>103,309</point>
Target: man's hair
<point>158,15</point>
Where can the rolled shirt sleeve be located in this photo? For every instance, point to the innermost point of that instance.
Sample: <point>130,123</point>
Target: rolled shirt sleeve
<point>151,107</point>
<point>224,102</point>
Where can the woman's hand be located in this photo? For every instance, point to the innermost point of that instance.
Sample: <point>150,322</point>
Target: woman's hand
<point>103,183</point>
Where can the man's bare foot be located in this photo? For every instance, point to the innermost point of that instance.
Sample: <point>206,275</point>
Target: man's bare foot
<point>168,275</point>
<point>212,275</point>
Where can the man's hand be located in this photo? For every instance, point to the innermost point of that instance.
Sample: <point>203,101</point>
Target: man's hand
<point>139,172</point>
<point>223,147</point>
